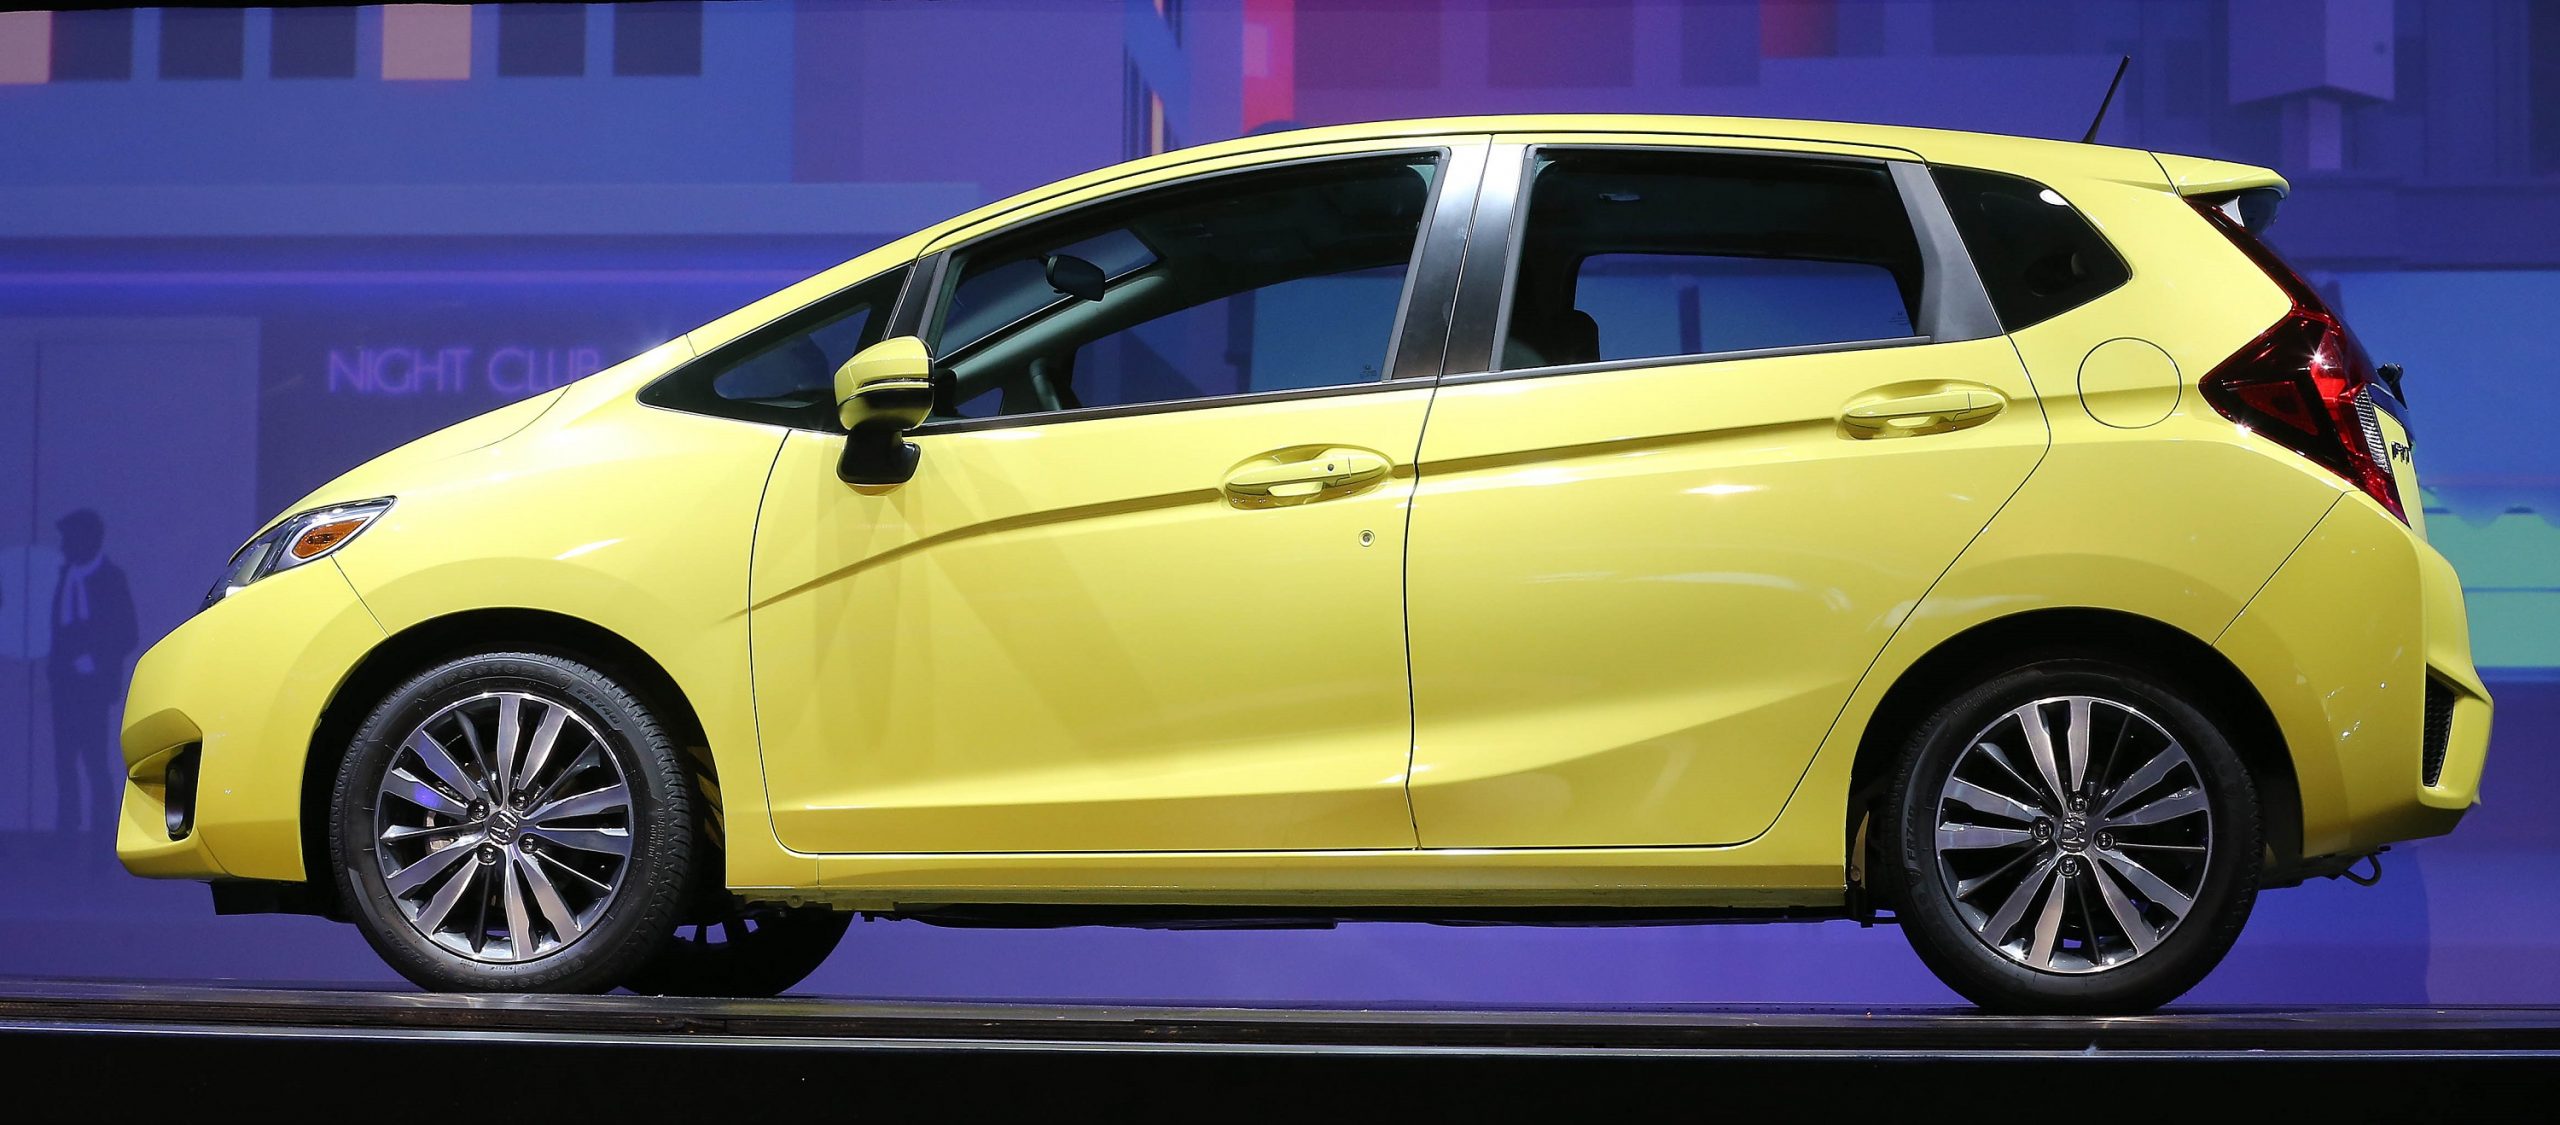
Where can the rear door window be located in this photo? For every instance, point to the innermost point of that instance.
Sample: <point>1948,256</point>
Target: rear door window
<point>1632,254</point>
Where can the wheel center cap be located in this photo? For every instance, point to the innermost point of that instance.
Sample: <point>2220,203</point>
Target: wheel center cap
<point>503,825</point>
<point>2073,833</point>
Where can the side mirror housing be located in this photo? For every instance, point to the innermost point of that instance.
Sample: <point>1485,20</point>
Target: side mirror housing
<point>881,393</point>
<point>1074,277</point>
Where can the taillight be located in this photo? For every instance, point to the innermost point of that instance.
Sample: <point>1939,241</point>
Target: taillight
<point>2302,382</point>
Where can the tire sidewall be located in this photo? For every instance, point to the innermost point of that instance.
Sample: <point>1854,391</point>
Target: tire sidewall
<point>1926,906</point>
<point>632,926</point>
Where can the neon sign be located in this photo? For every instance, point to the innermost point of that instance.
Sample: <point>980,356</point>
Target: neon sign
<point>405,371</point>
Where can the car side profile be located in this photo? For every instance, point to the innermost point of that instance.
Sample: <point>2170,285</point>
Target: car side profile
<point>1537,519</point>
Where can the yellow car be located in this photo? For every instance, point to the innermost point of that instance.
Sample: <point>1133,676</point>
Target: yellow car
<point>1543,519</point>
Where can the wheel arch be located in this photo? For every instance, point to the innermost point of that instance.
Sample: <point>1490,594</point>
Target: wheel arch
<point>423,645</point>
<point>2222,690</point>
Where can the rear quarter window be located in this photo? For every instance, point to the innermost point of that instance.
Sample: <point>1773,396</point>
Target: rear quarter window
<point>2038,257</point>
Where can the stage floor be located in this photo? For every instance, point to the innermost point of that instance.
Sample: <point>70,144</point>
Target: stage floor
<point>233,1045</point>
<point>857,1024</point>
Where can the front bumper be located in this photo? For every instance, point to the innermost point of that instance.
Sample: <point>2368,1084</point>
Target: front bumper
<point>244,683</point>
<point>2344,644</point>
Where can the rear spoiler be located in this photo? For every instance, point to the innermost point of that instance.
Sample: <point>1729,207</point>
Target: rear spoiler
<point>2197,177</point>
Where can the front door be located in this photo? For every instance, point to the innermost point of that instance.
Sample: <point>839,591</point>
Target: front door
<point>1742,413</point>
<point>1144,591</point>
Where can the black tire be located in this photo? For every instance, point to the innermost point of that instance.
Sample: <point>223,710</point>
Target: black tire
<point>619,740</point>
<point>757,951</point>
<point>2104,974</point>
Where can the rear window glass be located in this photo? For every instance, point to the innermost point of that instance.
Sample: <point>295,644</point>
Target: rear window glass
<point>1659,304</point>
<point>1633,254</point>
<point>2037,256</point>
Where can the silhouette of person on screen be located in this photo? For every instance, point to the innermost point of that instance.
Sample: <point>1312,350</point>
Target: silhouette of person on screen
<point>93,632</point>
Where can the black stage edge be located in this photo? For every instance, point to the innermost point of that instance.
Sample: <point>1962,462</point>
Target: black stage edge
<point>223,1049</point>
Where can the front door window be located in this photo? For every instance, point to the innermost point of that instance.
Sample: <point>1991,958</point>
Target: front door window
<point>1279,280</point>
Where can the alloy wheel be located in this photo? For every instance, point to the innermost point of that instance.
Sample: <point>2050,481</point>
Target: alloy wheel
<point>503,826</point>
<point>2074,834</point>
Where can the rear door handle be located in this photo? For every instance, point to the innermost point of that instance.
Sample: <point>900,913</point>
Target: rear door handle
<point>1296,476</point>
<point>1937,410</point>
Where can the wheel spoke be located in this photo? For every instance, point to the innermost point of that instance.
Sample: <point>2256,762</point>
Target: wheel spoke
<point>415,790</point>
<point>397,834</point>
<point>1966,888</point>
<point>1960,837</point>
<point>432,915</point>
<point>429,866</point>
<point>587,757</point>
<point>480,919</point>
<point>589,803</point>
<point>546,898</point>
<point>2115,747</point>
<point>519,923</point>
<point>1996,929</point>
<point>2080,895</point>
<point>2184,802</point>
<point>607,841</point>
<point>2127,918</point>
<point>2000,758</point>
<point>2145,776</point>
<point>479,753</point>
<point>2152,886</point>
<point>440,762</point>
<point>2040,747</point>
<point>545,734</point>
<point>509,720</point>
<point>2049,923</point>
<point>1980,799</point>
<point>2076,740</point>
<point>574,873</point>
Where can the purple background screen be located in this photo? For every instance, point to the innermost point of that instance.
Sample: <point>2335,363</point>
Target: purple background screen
<point>242,251</point>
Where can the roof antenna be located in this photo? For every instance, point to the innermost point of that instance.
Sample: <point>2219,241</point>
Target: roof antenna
<point>2103,103</point>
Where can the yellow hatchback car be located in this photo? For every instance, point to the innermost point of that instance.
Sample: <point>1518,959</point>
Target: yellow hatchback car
<point>1543,519</point>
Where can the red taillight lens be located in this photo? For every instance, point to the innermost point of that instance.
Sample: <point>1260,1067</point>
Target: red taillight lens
<point>2302,382</point>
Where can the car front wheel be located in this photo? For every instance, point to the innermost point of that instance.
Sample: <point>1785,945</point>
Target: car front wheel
<point>2072,836</point>
<point>513,822</point>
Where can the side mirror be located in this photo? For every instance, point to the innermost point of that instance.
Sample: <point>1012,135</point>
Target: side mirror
<point>881,393</point>
<point>1074,277</point>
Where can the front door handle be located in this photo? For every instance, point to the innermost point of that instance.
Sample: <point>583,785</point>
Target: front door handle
<point>1905,412</point>
<point>1303,474</point>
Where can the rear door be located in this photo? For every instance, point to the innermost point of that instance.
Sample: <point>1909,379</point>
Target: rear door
<point>1728,414</point>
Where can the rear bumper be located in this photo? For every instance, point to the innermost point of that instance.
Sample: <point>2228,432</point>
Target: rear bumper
<point>244,682</point>
<point>2343,645</point>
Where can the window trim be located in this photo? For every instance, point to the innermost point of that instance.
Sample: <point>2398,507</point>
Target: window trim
<point>761,335</point>
<point>1170,406</point>
<point>1439,245</point>
<point>1953,306</point>
<point>1881,343</point>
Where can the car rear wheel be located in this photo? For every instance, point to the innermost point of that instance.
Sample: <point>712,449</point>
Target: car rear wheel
<point>2072,836</point>
<point>757,950</point>
<point>513,822</point>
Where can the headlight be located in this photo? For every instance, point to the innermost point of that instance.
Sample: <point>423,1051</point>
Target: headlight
<point>297,539</point>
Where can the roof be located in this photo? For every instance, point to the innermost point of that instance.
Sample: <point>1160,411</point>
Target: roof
<point>2043,159</point>
<point>2032,156</point>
